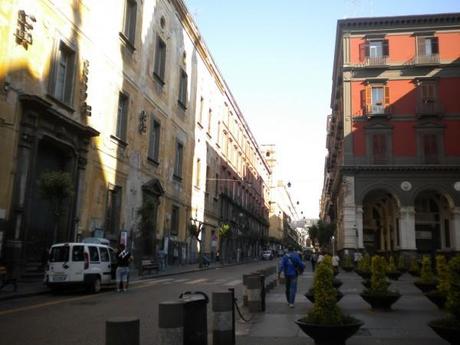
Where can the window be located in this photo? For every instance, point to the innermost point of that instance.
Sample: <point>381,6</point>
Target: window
<point>59,254</point>
<point>375,99</point>
<point>160,61</point>
<point>178,160</point>
<point>374,52</point>
<point>62,85</point>
<point>182,89</point>
<point>77,254</point>
<point>122,116</point>
<point>209,121</point>
<point>427,98</point>
<point>175,220</point>
<point>154,143</point>
<point>129,27</point>
<point>427,49</point>
<point>104,254</point>
<point>198,173</point>
<point>113,209</point>
<point>379,149</point>
<point>93,254</point>
<point>200,114</point>
<point>430,148</point>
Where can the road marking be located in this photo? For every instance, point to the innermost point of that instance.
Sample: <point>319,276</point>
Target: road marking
<point>154,282</point>
<point>181,280</point>
<point>196,281</point>
<point>234,282</point>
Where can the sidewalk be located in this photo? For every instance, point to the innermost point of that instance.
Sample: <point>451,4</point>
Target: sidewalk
<point>406,324</point>
<point>25,289</point>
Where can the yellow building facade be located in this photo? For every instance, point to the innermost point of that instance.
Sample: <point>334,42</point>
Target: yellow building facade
<point>122,101</point>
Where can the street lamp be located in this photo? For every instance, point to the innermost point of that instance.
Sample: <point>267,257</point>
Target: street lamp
<point>333,245</point>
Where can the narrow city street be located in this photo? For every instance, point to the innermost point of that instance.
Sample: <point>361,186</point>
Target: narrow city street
<point>79,318</point>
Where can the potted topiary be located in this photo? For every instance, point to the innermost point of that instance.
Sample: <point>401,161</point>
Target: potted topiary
<point>402,267</point>
<point>364,267</point>
<point>414,268</point>
<point>439,296</point>
<point>347,265</point>
<point>449,328</point>
<point>378,295</point>
<point>336,283</point>
<point>325,322</point>
<point>426,282</point>
<point>392,272</point>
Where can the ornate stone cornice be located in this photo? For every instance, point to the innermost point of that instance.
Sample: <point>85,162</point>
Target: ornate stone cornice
<point>356,169</point>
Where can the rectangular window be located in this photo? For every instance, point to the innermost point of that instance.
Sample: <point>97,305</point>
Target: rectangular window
<point>77,254</point>
<point>427,98</point>
<point>129,27</point>
<point>183,89</point>
<point>377,100</point>
<point>122,116</point>
<point>374,52</point>
<point>427,50</point>
<point>175,220</point>
<point>93,254</point>
<point>62,86</point>
<point>200,114</point>
<point>160,61</point>
<point>104,254</point>
<point>198,173</point>
<point>209,121</point>
<point>430,148</point>
<point>154,143</point>
<point>113,210</point>
<point>379,148</point>
<point>178,160</point>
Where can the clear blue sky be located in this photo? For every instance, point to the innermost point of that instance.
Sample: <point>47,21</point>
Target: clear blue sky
<point>276,57</point>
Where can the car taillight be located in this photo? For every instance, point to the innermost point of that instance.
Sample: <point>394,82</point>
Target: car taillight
<point>86,258</point>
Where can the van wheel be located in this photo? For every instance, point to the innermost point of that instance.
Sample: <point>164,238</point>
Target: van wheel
<point>96,285</point>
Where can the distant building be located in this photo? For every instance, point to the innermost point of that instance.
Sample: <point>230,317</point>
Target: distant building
<point>392,173</point>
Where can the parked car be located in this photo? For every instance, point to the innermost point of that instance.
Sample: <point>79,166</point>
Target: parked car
<point>267,255</point>
<point>91,265</point>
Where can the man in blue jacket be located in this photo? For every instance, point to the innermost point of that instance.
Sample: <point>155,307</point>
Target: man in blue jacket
<point>292,266</point>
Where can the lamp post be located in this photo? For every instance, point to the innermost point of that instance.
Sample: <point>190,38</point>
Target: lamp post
<point>333,245</point>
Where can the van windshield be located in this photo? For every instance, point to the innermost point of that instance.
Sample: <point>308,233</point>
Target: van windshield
<point>59,254</point>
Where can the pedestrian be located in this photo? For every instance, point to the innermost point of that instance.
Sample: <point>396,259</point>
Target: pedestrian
<point>320,257</point>
<point>335,263</point>
<point>357,256</point>
<point>124,259</point>
<point>291,265</point>
<point>313,259</point>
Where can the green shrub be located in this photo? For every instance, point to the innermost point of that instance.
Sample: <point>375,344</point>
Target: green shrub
<point>379,284</point>
<point>443,275</point>
<point>426,274</point>
<point>453,296</point>
<point>347,261</point>
<point>414,267</point>
<point>364,265</point>
<point>391,267</point>
<point>328,260</point>
<point>325,309</point>
<point>402,263</point>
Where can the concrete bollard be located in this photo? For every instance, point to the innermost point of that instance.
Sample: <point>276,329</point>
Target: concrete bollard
<point>171,323</point>
<point>245,289</point>
<point>195,318</point>
<point>223,330</point>
<point>122,331</point>
<point>255,291</point>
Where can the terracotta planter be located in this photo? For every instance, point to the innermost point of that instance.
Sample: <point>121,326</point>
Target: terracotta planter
<point>394,275</point>
<point>448,330</point>
<point>330,334</point>
<point>425,287</point>
<point>382,302</point>
<point>437,298</point>
<point>311,297</point>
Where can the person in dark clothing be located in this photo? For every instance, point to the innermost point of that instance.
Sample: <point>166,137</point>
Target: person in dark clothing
<point>313,259</point>
<point>124,259</point>
<point>292,266</point>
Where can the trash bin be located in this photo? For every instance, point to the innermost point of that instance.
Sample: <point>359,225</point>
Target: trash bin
<point>195,317</point>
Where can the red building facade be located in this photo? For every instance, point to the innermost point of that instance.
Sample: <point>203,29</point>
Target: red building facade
<point>392,174</point>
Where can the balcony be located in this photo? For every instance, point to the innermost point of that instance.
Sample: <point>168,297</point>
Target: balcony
<point>374,61</point>
<point>376,110</point>
<point>428,107</point>
<point>432,59</point>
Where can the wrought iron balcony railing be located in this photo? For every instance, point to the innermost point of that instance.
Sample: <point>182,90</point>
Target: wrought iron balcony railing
<point>428,107</point>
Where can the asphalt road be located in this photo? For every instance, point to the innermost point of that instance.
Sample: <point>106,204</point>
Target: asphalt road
<point>73,318</point>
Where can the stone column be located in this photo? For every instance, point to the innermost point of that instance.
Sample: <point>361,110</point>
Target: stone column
<point>349,212</point>
<point>455,232</point>
<point>407,228</point>
<point>359,226</point>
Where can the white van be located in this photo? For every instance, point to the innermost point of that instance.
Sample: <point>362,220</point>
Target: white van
<point>86,264</point>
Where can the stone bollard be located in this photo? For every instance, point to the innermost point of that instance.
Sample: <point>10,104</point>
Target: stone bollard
<point>245,289</point>
<point>122,331</point>
<point>171,323</point>
<point>255,292</point>
<point>223,331</point>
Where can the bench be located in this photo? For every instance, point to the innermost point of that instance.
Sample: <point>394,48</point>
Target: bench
<point>149,265</point>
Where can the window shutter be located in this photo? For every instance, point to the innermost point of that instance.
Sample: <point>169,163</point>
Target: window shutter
<point>434,45</point>
<point>363,100</point>
<point>363,51</point>
<point>385,48</point>
<point>368,93</point>
<point>387,96</point>
<point>420,46</point>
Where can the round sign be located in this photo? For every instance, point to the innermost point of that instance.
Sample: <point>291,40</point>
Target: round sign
<point>406,186</point>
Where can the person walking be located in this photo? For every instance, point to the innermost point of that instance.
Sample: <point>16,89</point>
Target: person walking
<point>124,259</point>
<point>335,263</point>
<point>291,265</point>
<point>313,259</point>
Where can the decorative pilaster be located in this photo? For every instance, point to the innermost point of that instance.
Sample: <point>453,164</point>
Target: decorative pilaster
<point>359,226</point>
<point>407,228</point>
<point>456,228</point>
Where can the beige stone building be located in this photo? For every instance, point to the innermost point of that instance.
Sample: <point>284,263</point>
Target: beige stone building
<point>125,99</point>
